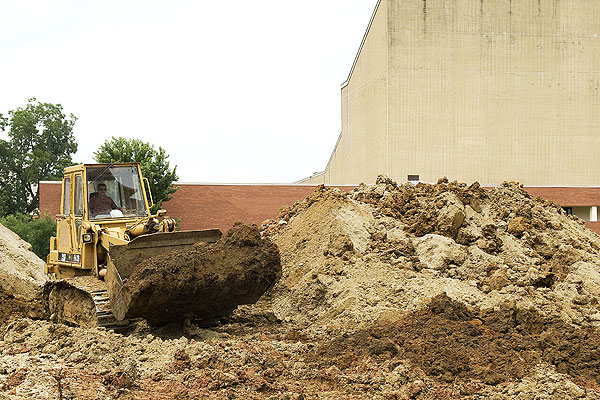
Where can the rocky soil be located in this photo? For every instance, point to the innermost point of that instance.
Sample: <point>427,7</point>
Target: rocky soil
<point>389,291</point>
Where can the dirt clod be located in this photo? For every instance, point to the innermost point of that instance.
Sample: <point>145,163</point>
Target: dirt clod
<point>209,280</point>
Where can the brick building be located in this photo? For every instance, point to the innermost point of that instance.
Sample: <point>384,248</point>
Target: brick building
<point>203,206</point>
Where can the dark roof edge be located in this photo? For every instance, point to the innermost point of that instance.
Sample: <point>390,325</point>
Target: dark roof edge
<point>362,43</point>
<point>328,162</point>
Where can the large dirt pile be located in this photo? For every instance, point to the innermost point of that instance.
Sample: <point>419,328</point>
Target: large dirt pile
<point>206,281</point>
<point>353,259</point>
<point>21,271</point>
<point>465,283</point>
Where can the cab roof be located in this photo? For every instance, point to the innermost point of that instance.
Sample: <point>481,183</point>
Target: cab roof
<point>81,167</point>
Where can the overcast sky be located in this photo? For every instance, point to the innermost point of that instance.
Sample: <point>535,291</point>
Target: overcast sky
<point>235,91</point>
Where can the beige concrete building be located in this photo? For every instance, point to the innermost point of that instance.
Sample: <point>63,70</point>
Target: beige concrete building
<point>475,90</point>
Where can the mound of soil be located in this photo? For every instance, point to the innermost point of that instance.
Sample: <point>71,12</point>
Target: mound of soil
<point>353,258</point>
<point>206,281</point>
<point>448,341</point>
<point>21,271</point>
<point>449,283</point>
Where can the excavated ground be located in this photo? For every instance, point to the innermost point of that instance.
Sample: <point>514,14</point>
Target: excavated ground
<point>449,342</point>
<point>389,291</point>
<point>13,308</point>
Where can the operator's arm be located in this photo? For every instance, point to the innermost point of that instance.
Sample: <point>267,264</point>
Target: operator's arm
<point>114,206</point>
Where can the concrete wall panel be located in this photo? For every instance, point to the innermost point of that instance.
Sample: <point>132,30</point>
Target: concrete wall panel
<point>486,91</point>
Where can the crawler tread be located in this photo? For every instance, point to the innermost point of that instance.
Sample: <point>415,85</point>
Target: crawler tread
<point>96,291</point>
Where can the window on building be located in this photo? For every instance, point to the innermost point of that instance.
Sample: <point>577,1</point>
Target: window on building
<point>568,210</point>
<point>413,178</point>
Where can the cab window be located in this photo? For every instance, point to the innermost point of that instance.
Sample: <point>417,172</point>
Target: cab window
<point>67,196</point>
<point>78,196</point>
<point>114,192</point>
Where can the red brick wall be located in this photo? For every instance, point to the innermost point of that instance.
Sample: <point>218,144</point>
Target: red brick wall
<point>211,206</point>
<point>220,206</point>
<point>593,226</point>
<point>568,196</point>
<point>50,195</point>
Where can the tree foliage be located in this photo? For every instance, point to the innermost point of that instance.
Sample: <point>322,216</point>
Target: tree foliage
<point>155,164</point>
<point>36,231</point>
<point>41,144</point>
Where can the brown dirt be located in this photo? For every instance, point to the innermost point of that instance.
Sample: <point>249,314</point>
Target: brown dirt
<point>71,305</point>
<point>12,308</point>
<point>390,291</point>
<point>209,280</point>
<point>449,342</point>
<point>21,271</point>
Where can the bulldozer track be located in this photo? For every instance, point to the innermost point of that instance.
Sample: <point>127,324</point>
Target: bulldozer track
<point>95,290</point>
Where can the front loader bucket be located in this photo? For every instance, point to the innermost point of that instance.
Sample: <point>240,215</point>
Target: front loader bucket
<point>202,281</point>
<point>124,260</point>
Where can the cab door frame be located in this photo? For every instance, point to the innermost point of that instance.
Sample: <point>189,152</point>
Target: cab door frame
<point>78,216</point>
<point>69,222</point>
<point>64,239</point>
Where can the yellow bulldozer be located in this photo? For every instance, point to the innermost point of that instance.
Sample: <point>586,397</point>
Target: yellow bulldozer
<point>106,235</point>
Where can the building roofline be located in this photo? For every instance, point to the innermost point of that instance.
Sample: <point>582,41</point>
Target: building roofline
<point>249,184</point>
<point>322,172</point>
<point>344,85</point>
<point>328,162</point>
<point>299,182</point>
<point>362,43</point>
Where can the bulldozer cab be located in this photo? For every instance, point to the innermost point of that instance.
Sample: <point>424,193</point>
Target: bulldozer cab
<point>107,197</point>
<point>114,191</point>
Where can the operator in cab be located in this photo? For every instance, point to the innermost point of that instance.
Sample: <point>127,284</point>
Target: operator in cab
<point>101,203</point>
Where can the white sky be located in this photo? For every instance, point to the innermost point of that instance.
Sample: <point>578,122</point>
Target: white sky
<point>235,91</point>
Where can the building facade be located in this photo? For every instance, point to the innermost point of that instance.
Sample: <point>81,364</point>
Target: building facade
<point>486,91</point>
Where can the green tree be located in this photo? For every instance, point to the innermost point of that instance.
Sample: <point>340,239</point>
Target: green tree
<point>155,165</point>
<point>36,231</point>
<point>41,144</point>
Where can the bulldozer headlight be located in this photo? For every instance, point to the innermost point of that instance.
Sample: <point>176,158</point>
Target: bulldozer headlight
<point>88,237</point>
